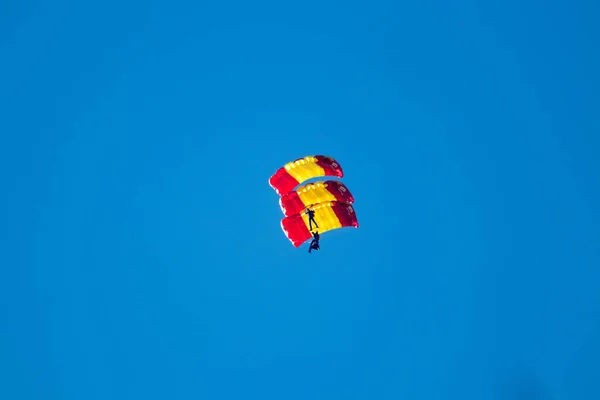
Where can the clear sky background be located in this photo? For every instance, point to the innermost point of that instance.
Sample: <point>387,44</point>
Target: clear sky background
<point>141,249</point>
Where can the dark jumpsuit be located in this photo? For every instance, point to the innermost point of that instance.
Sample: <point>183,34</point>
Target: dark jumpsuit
<point>311,219</point>
<point>314,245</point>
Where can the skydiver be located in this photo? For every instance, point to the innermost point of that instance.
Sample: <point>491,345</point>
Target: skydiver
<point>311,219</point>
<point>314,245</point>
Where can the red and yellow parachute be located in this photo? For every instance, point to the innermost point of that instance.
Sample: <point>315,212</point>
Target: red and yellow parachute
<point>295,172</point>
<point>313,193</point>
<point>331,199</point>
<point>329,215</point>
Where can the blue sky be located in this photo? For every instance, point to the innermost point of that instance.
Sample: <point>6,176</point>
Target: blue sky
<point>141,251</point>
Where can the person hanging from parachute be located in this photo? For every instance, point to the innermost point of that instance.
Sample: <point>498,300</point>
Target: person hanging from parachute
<point>314,245</point>
<point>311,219</point>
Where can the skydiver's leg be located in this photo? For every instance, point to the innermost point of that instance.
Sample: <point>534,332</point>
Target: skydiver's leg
<point>310,224</point>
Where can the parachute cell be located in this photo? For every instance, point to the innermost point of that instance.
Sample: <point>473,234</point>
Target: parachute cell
<point>318,192</point>
<point>329,215</point>
<point>295,172</point>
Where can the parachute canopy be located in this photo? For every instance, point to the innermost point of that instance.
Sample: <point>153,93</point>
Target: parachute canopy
<point>312,193</point>
<point>329,215</point>
<point>295,172</point>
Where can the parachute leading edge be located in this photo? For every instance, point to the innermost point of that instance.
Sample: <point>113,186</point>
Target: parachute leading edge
<point>293,173</point>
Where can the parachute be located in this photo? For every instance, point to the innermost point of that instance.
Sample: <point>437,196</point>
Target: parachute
<point>295,172</point>
<point>329,215</point>
<point>330,199</point>
<point>314,193</point>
